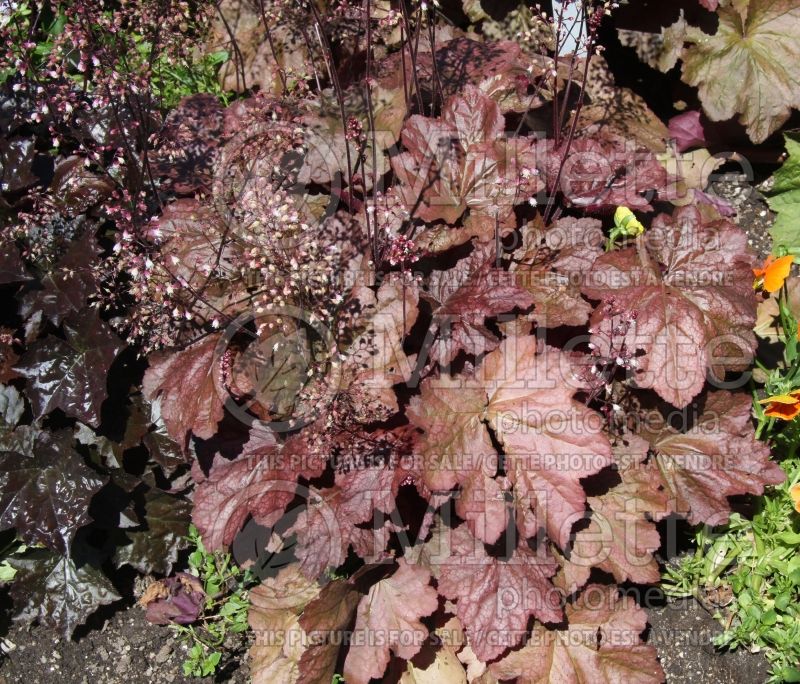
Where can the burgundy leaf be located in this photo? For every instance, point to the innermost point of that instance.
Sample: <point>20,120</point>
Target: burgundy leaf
<point>550,267</point>
<point>175,600</point>
<point>535,418</point>
<point>155,548</point>
<point>462,160</point>
<point>330,523</point>
<point>499,68</point>
<point>463,298</point>
<point>259,483</point>
<point>324,620</point>
<point>620,539</point>
<point>194,246</point>
<point>689,284</point>
<point>388,619</point>
<point>495,598</point>
<point>603,173</point>
<point>75,189</point>
<point>717,457</point>
<point>687,131</point>
<point>523,398</point>
<point>16,164</point>
<point>189,384</point>
<point>601,645</point>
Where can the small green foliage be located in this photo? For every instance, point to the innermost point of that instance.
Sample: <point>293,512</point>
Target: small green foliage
<point>747,572</point>
<point>225,609</point>
<point>785,199</point>
<point>7,571</point>
<point>199,662</point>
<point>21,16</point>
<point>337,679</point>
<point>173,81</point>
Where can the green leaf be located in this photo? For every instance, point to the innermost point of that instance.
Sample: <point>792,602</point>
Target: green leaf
<point>7,572</point>
<point>790,674</point>
<point>748,67</point>
<point>785,200</point>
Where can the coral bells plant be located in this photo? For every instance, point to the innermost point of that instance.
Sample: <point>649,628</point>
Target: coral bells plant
<point>475,463</point>
<point>410,309</point>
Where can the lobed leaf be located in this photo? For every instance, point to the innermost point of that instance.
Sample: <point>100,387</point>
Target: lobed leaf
<point>58,592</point>
<point>188,383</point>
<point>745,68</point>
<point>45,494</point>
<point>388,619</point>
<point>689,284</point>
<point>71,374</point>
<point>717,457</point>
<point>494,597</point>
<point>601,645</point>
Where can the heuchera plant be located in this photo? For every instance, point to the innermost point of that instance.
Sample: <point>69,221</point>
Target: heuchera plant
<point>381,323</point>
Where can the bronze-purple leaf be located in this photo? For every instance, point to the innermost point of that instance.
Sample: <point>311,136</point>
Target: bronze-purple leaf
<point>717,458</point>
<point>690,285</point>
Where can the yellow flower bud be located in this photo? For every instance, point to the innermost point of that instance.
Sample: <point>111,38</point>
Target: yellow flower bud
<point>627,222</point>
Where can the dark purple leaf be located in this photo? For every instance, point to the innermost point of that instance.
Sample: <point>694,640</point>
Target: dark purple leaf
<point>45,495</point>
<point>75,189</point>
<point>155,548</point>
<point>12,270</point>
<point>67,285</point>
<point>16,164</point>
<point>57,592</point>
<point>71,374</point>
<point>188,141</point>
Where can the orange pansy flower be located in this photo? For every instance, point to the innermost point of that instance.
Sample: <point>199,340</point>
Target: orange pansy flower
<point>794,492</point>
<point>774,272</point>
<point>783,406</point>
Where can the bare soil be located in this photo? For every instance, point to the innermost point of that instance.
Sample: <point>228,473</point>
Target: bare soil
<point>126,649</point>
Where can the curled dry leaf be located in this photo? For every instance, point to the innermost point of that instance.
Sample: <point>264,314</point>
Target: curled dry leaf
<point>175,600</point>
